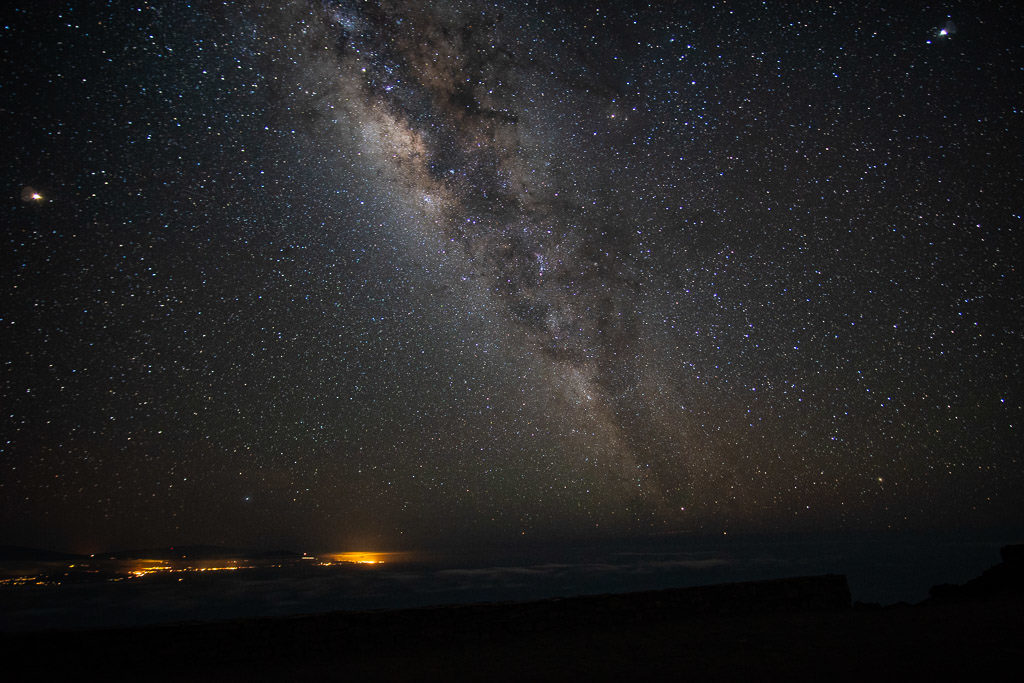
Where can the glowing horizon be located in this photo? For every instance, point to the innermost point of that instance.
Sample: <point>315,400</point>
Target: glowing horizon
<point>366,557</point>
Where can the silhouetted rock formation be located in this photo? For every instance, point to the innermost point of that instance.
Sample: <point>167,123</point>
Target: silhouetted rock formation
<point>1004,578</point>
<point>1013,555</point>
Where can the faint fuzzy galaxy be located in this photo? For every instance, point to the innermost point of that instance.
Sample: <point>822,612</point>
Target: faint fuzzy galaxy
<point>334,273</point>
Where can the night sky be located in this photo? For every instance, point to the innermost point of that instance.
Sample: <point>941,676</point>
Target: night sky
<point>385,273</point>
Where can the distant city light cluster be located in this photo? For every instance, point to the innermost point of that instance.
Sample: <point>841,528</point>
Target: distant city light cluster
<point>124,569</point>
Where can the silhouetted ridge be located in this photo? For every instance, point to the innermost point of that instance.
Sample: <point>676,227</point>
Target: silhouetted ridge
<point>14,553</point>
<point>192,552</point>
<point>1004,578</point>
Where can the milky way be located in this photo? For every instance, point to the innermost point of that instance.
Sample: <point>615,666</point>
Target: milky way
<point>431,91</point>
<point>325,272</point>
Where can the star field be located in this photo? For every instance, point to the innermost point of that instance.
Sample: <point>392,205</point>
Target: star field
<point>348,272</point>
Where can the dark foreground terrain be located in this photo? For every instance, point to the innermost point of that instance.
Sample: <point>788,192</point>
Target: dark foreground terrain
<point>788,629</point>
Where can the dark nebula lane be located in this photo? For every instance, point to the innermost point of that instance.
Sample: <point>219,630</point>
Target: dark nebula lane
<point>437,92</point>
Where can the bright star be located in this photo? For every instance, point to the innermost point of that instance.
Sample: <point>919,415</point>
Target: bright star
<point>30,194</point>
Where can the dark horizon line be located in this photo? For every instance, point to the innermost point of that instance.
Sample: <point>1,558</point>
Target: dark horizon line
<point>469,545</point>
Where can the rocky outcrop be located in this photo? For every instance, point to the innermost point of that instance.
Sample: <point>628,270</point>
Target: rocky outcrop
<point>1007,577</point>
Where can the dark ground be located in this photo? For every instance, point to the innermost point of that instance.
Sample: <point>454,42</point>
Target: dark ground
<point>789,629</point>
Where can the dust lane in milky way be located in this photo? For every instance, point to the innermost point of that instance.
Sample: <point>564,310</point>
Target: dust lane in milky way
<point>436,98</point>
